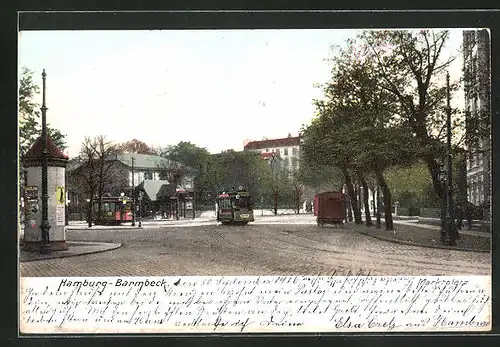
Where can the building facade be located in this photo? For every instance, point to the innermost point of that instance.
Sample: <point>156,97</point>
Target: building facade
<point>149,168</point>
<point>477,88</point>
<point>148,174</point>
<point>286,148</point>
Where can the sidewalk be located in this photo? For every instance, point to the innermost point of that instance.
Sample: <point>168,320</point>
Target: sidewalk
<point>437,227</point>
<point>75,248</point>
<point>82,225</point>
<point>417,234</point>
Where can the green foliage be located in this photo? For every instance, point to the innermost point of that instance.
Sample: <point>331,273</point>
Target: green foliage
<point>353,129</point>
<point>412,68</point>
<point>29,116</point>
<point>412,186</point>
<point>224,171</point>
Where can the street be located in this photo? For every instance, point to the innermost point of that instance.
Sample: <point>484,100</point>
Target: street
<point>269,246</point>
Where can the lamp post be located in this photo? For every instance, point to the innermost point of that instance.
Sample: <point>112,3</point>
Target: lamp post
<point>122,195</point>
<point>133,193</point>
<point>442,175</point>
<point>45,225</point>
<point>449,224</point>
<point>141,194</point>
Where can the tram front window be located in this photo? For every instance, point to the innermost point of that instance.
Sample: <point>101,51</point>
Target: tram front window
<point>244,202</point>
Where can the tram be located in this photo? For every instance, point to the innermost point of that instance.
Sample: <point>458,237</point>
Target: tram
<point>114,210</point>
<point>330,208</point>
<point>234,207</point>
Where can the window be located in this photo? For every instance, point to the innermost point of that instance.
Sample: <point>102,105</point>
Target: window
<point>285,162</point>
<point>294,150</point>
<point>148,175</point>
<point>244,202</point>
<point>285,151</point>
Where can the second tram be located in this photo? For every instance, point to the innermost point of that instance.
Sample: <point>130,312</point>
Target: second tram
<point>234,207</point>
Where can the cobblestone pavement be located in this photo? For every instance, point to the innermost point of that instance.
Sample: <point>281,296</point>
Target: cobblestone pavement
<point>286,249</point>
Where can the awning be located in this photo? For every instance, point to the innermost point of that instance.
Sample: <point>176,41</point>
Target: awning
<point>152,187</point>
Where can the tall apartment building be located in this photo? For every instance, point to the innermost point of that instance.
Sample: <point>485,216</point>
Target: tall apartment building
<point>477,87</point>
<point>286,148</point>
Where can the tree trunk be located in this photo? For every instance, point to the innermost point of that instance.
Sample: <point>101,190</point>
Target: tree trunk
<point>275,203</point>
<point>368,218</point>
<point>91,202</point>
<point>349,211</point>
<point>387,201</point>
<point>377,204</point>
<point>352,196</point>
<point>433,167</point>
<point>298,201</point>
<point>99,206</point>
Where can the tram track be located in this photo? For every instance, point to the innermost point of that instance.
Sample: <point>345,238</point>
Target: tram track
<point>362,256</point>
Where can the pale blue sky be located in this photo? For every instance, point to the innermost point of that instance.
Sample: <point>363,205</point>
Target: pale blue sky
<point>214,88</point>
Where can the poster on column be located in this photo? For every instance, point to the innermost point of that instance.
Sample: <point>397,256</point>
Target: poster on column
<point>60,215</point>
<point>60,196</point>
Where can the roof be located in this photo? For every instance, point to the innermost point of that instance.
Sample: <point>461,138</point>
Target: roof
<point>35,152</point>
<point>286,141</point>
<point>152,187</point>
<point>268,155</point>
<point>142,161</point>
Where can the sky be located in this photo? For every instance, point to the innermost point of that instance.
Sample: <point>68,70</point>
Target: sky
<point>213,88</point>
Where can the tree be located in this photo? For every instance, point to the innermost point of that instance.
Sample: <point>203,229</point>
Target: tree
<point>29,116</point>
<point>359,128</point>
<point>30,123</point>
<point>136,146</point>
<point>324,143</point>
<point>99,173</point>
<point>412,67</point>
<point>172,171</point>
<point>88,174</point>
<point>195,161</point>
<point>107,173</point>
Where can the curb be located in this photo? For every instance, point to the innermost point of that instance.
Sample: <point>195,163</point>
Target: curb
<point>66,255</point>
<point>409,243</point>
<point>104,229</point>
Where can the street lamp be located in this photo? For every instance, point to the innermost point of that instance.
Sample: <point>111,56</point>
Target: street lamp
<point>449,230</point>
<point>122,195</point>
<point>45,225</point>
<point>141,194</point>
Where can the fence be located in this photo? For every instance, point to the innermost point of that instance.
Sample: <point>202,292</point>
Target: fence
<point>425,212</point>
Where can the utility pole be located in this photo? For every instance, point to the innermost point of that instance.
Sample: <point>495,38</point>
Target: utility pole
<point>45,226</point>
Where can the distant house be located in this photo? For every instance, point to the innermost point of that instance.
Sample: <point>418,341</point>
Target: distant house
<point>286,148</point>
<point>147,173</point>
